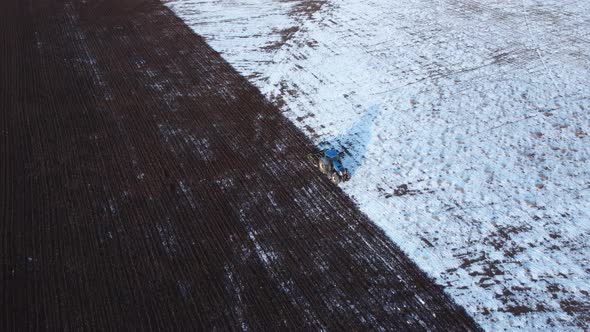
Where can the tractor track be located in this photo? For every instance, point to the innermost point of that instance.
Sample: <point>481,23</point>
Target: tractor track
<point>146,185</point>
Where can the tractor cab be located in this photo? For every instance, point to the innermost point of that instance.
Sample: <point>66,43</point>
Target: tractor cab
<point>331,153</point>
<point>333,157</point>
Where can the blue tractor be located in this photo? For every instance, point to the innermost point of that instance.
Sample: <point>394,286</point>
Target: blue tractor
<point>329,162</point>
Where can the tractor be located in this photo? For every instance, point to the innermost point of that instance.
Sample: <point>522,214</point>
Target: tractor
<point>329,162</point>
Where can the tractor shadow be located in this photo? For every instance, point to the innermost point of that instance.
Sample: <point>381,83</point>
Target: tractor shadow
<point>355,141</point>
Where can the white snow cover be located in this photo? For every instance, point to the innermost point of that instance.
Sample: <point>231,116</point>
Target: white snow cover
<point>466,123</point>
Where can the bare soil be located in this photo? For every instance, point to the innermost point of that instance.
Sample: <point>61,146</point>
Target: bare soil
<point>145,185</point>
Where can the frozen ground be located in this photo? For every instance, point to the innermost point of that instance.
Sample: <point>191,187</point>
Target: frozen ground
<point>466,124</point>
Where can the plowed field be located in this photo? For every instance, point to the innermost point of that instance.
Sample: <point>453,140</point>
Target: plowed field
<point>147,185</point>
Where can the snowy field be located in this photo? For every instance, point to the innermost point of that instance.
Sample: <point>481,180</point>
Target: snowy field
<point>466,124</point>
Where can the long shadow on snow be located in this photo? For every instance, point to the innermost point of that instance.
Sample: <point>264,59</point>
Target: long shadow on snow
<point>355,141</point>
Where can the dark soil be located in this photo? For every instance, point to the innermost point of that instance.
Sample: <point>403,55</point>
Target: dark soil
<point>146,185</point>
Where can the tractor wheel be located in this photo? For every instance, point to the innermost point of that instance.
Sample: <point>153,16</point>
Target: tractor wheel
<point>335,178</point>
<point>346,176</point>
<point>323,167</point>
